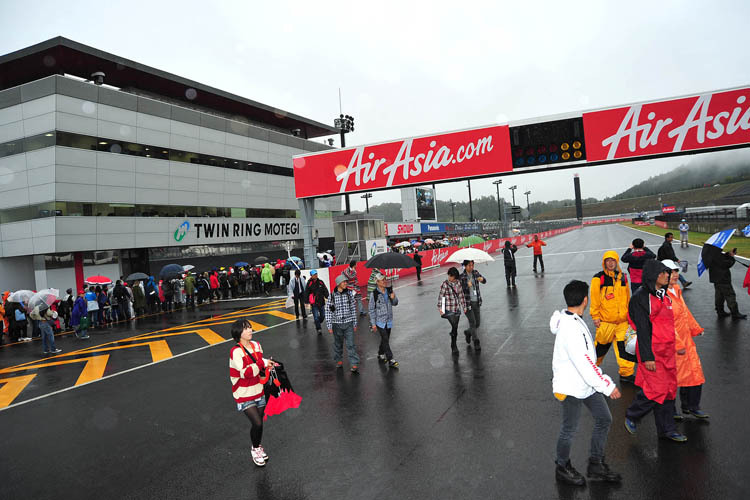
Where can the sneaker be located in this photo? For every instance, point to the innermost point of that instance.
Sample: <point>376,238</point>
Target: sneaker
<point>454,349</point>
<point>381,358</point>
<point>27,339</point>
<point>568,474</point>
<point>319,332</point>
<point>354,369</point>
<point>85,338</point>
<point>674,436</point>
<point>45,352</point>
<point>393,363</point>
<point>339,364</point>
<point>55,351</point>
<point>257,457</point>
<point>697,413</point>
<point>477,346</point>
<point>263,452</point>
<point>678,416</point>
<point>687,284</point>
<point>467,334</point>
<point>598,470</point>
<point>630,426</point>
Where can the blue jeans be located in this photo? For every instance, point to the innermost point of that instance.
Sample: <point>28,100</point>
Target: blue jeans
<point>48,336</point>
<point>343,332</point>
<point>94,317</point>
<point>318,314</point>
<point>682,280</point>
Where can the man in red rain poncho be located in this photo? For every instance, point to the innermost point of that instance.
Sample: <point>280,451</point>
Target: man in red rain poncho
<point>651,315</point>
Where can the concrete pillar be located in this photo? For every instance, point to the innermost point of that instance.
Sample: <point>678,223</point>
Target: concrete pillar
<point>40,272</point>
<point>307,211</point>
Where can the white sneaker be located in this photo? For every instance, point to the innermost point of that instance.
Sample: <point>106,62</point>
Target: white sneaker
<point>55,351</point>
<point>263,453</point>
<point>25,339</point>
<point>257,457</point>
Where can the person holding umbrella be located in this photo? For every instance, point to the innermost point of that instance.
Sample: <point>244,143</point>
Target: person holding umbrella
<point>46,319</point>
<point>248,372</point>
<point>451,303</point>
<point>470,280</point>
<point>381,303</point>
<point>341,320</point>
<point>719,274</point>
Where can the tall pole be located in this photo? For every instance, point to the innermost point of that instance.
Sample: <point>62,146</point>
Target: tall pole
<point>513,192</point>
<point>453,209</point>
<point>367,197</point>
<point>500,209</point>
<point>343,145</point>
<point>471,208</point>
<point>528,207</point>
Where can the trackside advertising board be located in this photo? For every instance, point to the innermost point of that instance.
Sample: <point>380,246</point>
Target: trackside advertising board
<point>411,161</point>
<point>709,120</point>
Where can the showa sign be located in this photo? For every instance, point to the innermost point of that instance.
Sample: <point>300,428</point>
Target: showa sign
<point>411,161</point>
<point>710,120</point>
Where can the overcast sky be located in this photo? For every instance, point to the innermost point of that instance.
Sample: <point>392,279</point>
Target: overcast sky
<point>412,68</point>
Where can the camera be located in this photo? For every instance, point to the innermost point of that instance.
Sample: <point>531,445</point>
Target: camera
<point>98,77</point>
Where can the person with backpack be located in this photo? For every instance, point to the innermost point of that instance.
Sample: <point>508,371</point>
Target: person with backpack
<point>577,382</point>
<point>46,321</point>
<point>636,257</point>
<point>451,303</point>
<point>316,294</point>
<point>509,259</point>
<point>18,322</point>
<point>666,252</point>
<point>381,303</point>
<point>121,298</point>
<point>79,319</point>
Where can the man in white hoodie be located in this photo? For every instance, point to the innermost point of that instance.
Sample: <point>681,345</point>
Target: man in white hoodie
<point>577,381</point>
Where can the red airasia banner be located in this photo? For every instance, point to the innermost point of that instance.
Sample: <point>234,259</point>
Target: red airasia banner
<point>668,209</point>
<point>412,161</point>
<point>704,121</point>
<point>605,221</point>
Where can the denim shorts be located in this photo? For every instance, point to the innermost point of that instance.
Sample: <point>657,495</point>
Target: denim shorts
<point>260,403</point>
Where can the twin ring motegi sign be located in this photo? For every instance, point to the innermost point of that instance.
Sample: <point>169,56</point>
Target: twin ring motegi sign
<point>229,230</point>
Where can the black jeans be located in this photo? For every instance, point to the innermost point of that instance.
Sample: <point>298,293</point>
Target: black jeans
<point>453,319</point>
<point>541,261</point>
<point>690,397</point>
<point>419,273</point>
<point>474,317</point>
<point>299,303</point>
<point>597,406</point>
<point>663,413</point>
<point>510,273</point>
<point>725,292</point>
<point>385,346</point>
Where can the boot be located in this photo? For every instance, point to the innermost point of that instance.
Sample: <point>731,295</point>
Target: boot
<point>454,347</point>
<point>569,475</point>
<point>736,314</point>
<point>598,470</point>
<point>477,346</point>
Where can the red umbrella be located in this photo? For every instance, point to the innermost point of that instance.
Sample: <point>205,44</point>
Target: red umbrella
<point>277,405</point>
<point>98,280</point>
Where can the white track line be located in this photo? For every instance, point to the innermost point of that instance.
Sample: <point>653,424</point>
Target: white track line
<point>129,370</point>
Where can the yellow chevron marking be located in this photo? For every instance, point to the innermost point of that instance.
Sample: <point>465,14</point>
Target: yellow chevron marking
<point>282,314</point>
<point>12,388</point>
<point>93,370</point>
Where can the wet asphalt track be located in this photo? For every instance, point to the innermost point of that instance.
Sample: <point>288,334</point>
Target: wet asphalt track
<point>483,426</point>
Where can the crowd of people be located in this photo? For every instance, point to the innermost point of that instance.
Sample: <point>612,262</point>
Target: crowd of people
<point>97,306</point>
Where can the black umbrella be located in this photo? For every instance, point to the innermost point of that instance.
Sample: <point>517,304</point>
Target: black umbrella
<point>137,277</point>
<point>261,260</point>
<point>390,260</point>
<point>170,271</point>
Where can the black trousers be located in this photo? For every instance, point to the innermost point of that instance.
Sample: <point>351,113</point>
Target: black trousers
<point>722,293</point>
<point>453,319</point>
<point>474,317</point>
<point>541,261</point>
<point>299,303</point>
<point>419,273</point>
<point>510,273</point>
<point>690,397</point>
<point>385,346</point>
<point>663,413</point>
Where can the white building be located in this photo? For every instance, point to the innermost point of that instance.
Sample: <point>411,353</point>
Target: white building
<point>138,169</point>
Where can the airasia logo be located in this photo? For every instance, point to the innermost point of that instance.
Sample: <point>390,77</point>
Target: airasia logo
<point>438,256</point>
<point>706,121</point>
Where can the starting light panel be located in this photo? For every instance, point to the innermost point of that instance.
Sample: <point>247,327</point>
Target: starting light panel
<point>546,143</point>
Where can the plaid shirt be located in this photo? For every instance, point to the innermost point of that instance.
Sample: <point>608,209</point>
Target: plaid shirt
<point>465,285</point>
<point>454,298</point>
<point>345,309</point>
<point>351,275</point>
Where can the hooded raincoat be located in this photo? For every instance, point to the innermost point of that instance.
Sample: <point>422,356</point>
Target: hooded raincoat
<point>689,369</point>
<point>652,317</point>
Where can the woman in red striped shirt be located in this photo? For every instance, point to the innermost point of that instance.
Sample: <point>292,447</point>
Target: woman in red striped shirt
<point>248,372</point>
